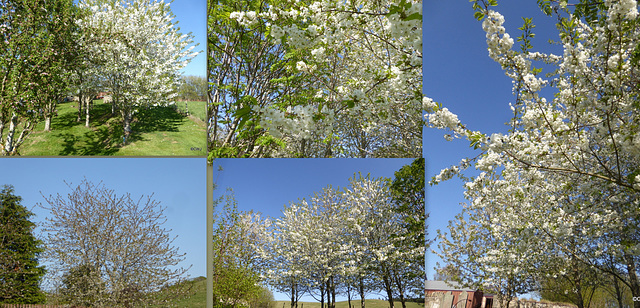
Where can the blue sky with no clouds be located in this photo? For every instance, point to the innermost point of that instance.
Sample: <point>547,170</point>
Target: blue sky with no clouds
<point>178,183</point>
<point>192,17</point>
<point>459,74</point>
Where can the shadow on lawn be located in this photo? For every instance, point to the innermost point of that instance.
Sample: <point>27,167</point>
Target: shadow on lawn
<point>154,119</point>
<point>107,136</point>
<point>165,119</point>
<point>97,141</point>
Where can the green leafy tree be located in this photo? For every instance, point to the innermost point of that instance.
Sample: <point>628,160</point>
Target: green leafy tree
<point>193,88</point>
<point>408,192</point>
<point>576,285</point>
<point>20,274</point>
<point>37,40</point>
<point>235,278</point>
<point>315,78</point>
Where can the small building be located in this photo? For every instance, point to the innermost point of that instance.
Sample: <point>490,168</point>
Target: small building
<point>447,294</point>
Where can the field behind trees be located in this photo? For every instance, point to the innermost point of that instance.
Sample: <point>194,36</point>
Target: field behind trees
<point>355,303</point>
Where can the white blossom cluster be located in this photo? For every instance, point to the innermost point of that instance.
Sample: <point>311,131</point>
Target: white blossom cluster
<point>247,19</point>
<point>297,120</point>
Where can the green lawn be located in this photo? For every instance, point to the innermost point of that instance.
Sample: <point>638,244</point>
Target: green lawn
<point>198,298</point>
<point>157,131</point>
<point>355,303</point>
<point>196,109</point>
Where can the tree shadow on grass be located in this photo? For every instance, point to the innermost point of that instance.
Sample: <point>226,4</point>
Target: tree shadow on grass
<point>106,137</point>
<point>95,142</point>
<point>66,120</point>
<point>154,119</point>
<point>100,113</point>
<point>165,119</point>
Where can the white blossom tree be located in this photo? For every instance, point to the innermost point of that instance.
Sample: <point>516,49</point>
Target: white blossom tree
<point>361,245</point>
<point>564,182</point>
<point>351,80</point>
<point>107,249</point>
<point>141,52</point>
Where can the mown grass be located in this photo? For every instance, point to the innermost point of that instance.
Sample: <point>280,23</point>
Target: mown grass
<point>157,131</point>
<point>355,303</point>
<point>196,109</point>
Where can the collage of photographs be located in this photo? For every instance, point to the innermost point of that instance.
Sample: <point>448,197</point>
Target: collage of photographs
<point>282,153</point>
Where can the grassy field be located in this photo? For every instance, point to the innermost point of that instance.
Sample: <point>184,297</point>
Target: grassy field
<point>196,109</point>
<point>157,131</point>
<point>369,303</point>
<point>198,298</point>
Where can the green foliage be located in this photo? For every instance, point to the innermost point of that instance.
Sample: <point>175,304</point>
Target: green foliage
<point>591,10</point>
<point>408,191</point>
<point>193,88</point>
<point>527,35</point>
<point>37,51</point>
<point>263,299</point>
<point>197,295</point>
<point>20,274</point>
<point>82,285</point>
<point>235,282</point>
<point>586,287</point>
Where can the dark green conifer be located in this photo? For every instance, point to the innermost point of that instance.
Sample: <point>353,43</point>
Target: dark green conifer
<point>20,274</point>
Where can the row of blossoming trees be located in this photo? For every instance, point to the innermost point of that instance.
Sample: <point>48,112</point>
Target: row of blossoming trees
<point>315,78</point>
<point>367,238</point>
<point>557,198</point>
<point>53,49</point>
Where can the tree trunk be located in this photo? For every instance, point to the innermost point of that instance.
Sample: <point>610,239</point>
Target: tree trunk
<point>633,278</point>
<point>387,287</point>
<point>9,144</point>
<point>47,123</point>
<point>398,282</point>
<point>87,107</point>
<point>618,290</point>
<point>80,105</point>
<point>127,116</point>
<point>329,304</point>
<point>362,293</point>
<point>293,294</point>
<point>322,295</point>
<point>333,293</point>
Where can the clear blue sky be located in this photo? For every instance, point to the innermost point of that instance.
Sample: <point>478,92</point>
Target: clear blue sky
<point>192,17</point>
<point>459,74</point>
<point>267,185</point>
<point>178,183</point>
